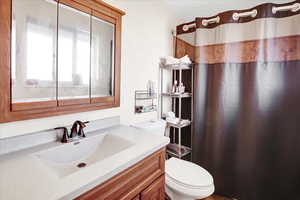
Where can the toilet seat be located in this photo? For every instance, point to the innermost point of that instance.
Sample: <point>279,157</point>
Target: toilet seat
<point>188,178</point>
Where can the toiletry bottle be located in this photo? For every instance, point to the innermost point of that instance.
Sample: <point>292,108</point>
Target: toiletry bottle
<point>178,88</point>
<point>174,88</point>
<point>149,87</point>
<point>181,88</point>
<point>152,87</point>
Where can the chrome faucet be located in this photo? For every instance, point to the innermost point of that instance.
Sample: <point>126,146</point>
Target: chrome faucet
<point>76,131</point>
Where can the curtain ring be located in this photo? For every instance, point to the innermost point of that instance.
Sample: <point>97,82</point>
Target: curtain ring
<point>188,26</point>
<point>205,22</point>
<point>294,8</point>
<point>236,16</point>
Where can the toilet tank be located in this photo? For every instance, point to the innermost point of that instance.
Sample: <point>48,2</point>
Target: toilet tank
<point>157,127</point>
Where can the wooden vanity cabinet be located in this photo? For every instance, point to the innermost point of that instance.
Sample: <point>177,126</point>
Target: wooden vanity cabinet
<point>143,181</point>
<point>138,197</point>
<point>155,191</point>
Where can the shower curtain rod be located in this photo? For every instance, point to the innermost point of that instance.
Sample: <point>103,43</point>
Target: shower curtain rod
<point>236,16</point>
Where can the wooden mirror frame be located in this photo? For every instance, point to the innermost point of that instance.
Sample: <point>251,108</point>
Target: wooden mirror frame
<point>23,111</point>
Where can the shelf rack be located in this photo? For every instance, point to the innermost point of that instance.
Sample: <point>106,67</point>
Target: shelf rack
<point>176,96</point>
<point>184,95</point>
<point>180,125</point>
<point>144,95</point>
<point>187,151</point>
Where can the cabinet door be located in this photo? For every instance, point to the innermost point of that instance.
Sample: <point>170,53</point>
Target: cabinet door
<point>33,52</point>
<point>102,58</point>
<point>73,54</point>
<point>156,191</point>
<point>138,197</point>
<point>129,184</point>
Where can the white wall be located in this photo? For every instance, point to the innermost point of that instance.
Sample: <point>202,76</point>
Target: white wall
<point>146,37</point>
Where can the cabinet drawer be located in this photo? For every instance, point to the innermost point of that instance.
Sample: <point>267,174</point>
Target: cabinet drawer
<point>156,191</point>
<point>138,197</point>
<point>129,183</point>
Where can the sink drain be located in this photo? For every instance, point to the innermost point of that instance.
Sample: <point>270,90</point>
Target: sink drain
<point>81,165</point>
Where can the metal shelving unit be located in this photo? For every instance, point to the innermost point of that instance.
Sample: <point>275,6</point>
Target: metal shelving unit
<point>183,95</point>
<point>143,96</point>
<point>187,151</point>
<point>176,97</point>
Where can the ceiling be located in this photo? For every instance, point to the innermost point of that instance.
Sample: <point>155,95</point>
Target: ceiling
<point>187,10</point>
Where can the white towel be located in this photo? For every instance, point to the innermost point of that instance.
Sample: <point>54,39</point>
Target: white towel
<point>169,60</point>
<point>173,120</point>
<point>185,60</point>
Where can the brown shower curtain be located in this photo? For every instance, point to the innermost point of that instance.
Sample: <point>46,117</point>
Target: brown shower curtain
<point>247,100</point>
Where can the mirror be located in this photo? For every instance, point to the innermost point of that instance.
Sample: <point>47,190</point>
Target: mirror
<point>33,50</point>
<point>102,58</point>
<point>73,59</point>
<point>73,53</point>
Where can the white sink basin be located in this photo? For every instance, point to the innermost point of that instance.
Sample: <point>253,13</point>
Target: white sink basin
<point>65,159</point>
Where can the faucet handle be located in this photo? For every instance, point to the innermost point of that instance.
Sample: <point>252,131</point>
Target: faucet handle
<point>81,126</point>
<point>81,132</point>
<point>65,137</point>
<point>74,133</point>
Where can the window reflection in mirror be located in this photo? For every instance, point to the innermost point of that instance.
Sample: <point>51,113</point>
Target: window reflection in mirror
<point>69,60</point>
<point>33,49</point>
<point>102,58</point>
<point>73,53</point>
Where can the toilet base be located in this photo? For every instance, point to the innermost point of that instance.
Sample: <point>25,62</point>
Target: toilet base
<point>175,195</point>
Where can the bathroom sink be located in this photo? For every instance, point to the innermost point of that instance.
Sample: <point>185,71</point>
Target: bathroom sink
<point>68,158</point>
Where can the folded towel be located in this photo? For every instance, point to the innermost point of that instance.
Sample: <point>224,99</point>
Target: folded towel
<point>185,60</point>
<point>177,121</point>
<point>169,60</point>
<point>172,120</point>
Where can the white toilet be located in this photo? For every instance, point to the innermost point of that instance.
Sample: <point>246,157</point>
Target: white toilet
<point>184,180</point>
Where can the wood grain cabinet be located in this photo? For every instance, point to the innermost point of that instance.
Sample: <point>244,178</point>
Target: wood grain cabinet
<point>143,181</point>
<point>155,191</point>
<point>138,197</point>
<point>58,57</point>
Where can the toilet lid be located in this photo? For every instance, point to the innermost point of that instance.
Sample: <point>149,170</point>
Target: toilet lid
<point>187,173</point>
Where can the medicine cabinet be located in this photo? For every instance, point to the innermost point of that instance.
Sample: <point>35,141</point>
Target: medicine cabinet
<point>58,57</point>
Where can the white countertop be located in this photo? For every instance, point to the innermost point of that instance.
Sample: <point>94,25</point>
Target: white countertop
<point>23,176</point>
